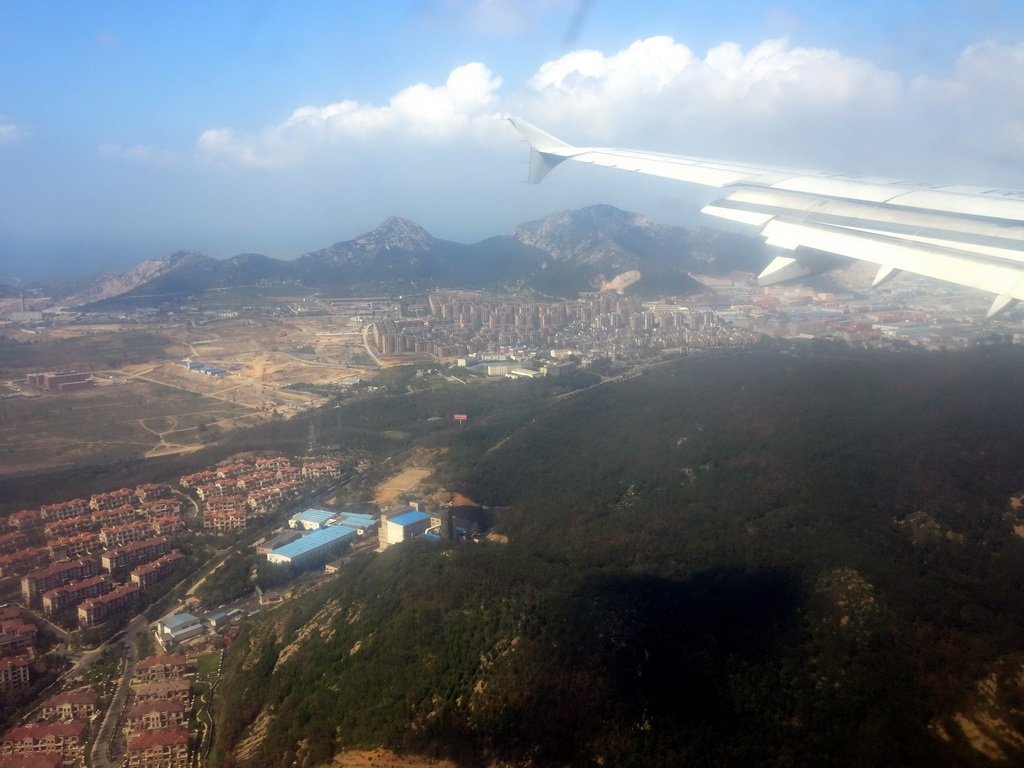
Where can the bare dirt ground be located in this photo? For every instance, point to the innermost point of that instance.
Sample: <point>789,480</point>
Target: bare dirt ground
<point>403,482</point>
<point>263,357</point>
<point>382,757</point>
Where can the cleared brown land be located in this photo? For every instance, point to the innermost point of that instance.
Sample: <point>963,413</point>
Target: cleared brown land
<point>400,483</point>
<point>121,420</point>
<point>382,757</point>
<point>148,405</point>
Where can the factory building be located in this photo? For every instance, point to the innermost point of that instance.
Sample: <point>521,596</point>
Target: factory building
<point>315,544</point>
<point>402,526</point>
<point>180,626</point>
<point>310,520</point>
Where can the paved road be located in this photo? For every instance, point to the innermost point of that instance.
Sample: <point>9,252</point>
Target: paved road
<point>99,758</point>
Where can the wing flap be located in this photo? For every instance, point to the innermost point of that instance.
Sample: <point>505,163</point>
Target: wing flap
<point>963,268</point>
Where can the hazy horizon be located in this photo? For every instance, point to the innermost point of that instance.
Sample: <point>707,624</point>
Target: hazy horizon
<point>127,134</point>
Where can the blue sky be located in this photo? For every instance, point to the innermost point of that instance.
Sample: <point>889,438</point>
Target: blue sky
<point>132,130</point>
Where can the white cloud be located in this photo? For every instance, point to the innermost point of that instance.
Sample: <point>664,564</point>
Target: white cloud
<point>659,89</point>
<point>774,103</point>
<point>11,132</point>
<point>463,107</point>
<point>980,108</point>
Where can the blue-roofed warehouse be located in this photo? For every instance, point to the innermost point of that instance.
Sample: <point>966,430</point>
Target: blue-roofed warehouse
<point>311,519</point>
<point>313,545</point>
<point>357,520</point>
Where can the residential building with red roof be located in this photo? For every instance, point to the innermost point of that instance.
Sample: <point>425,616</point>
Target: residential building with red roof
<point>12,542</point>
<point>34,760</point>
<point>155,713</point>
<point>74,546</point>
<point>119,535</point>
<point>70,705</point>
<point>72,594</point>
<point>147,575</point>
<point>17,636</point>
<point>161,748</point>
<point>66,739</point>
<point>62,529</point>
<point>112,500</point>
<point>160,507</point>
<point>152,491</point>
<point>36,583</point>
<point>96,610</point>
<point>165,666</point>
<point>64,510</point>
<point>123,558</point>
<point>167,525</point>
<point>23,561</point>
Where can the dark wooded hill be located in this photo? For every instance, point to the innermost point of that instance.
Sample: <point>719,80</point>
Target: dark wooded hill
<point>745,560</point>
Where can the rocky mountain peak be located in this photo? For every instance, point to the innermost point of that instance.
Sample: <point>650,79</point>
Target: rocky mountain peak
<point>597,233</point>
<point>395,233</point>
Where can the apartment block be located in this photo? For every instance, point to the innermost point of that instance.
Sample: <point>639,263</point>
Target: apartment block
<point>227,520</point>
<point>160,507</point>
<point>14,674</point>
<point>221,503</point>
<point>152,491</point>
<point>171,688</point>
<point>119,515</point>
<point>65,739</point>
<point>12,542</point>
<point>79,545</point>
<point>167,666</point>
<point>17,636</point>
<point>72,705</point>
<point>72,594</point>
<point>147,575</point>
<point>62,529</point>
<point>23,561</point>
<point>154,714</point>
<point>162,748</point>
<point>64,510</point>
<point>25,520</point>
<point>112,500</point>
<point>96,610</point>
<point>319,469</point>
<point>198,479</point>
<point>36,583</point>
<point>168,525</point>
<point>120,535</point>
<point>116,561</point>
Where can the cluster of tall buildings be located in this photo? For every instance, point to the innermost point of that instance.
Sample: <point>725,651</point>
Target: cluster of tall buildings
<point>464,324</point>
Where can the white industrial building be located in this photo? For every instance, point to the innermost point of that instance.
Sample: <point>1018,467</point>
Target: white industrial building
<point>310,520</point>
<point>180,626</point>
<point>404,525</point>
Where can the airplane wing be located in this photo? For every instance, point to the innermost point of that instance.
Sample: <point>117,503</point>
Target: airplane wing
<point>971,236</point>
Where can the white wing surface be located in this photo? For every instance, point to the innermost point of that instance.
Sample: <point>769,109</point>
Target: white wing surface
<point>971,236</point>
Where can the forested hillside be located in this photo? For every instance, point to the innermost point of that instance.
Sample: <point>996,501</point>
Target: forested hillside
<point>747,560</point>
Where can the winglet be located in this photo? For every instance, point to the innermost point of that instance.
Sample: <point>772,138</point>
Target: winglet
<point>545,150</point>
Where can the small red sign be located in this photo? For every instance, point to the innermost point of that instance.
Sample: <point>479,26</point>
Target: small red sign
<point>460,417</point>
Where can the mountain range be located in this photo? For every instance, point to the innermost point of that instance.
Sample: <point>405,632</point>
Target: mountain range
<point>596,248</point>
